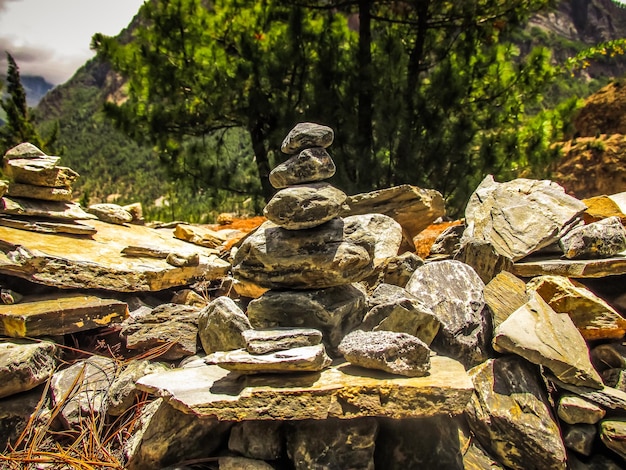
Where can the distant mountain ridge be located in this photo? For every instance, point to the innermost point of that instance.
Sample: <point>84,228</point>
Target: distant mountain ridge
<point>36,88</point>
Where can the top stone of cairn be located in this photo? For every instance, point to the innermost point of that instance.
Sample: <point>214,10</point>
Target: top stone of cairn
<point>307,135</point>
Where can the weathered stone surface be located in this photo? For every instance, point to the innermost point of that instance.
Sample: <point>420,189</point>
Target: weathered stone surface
<point>393,308</point>
<point>594,318</point>
<point>81,390</point>
<point>305,205</point>
<point>112,213</point>
<point>613,435</point>
<point>313,164</point>
<point>448,242</point>
<point>24,150</point>
<point>40,172</point>
<point>165,436</point>
<point>334,311</point>
<point>190,297</point>
<point>602,239</point>
<point>168,324</point>
<point>579,437</point>
<point>242,463</point>
<point>16,412</point>
<point>510,415</point>
<point>307,135</point>
<point>521,216</point>
<point>609,356</point>
<point>584,268</point>
<point>576,410</point>
<point>97,262</point>
<point>338,252</point>
<point>257,439</point>
<point>123,393</point>
<point>25,364</point>
<point>303,359</point>
<point>59,315</point>
<point>199,235</point>
<point>544,337</point>
<point>454,292</point>
<point>47,226</point>
<point>341,391</point>
<point>601,207</point>
<point>278,339</point>
<point>396,353</point>
<point>484,258</point>
<point>333,444</point>
<point>420,443</point>
<point>49,209</point>
<point>221,324</point>
<point>504,294</point>
<point>615,378</point>
<point>396,270</point>
<point>412,207</point>
<point>620,200</point>
<point>606,397</point>
<point>43,193</point>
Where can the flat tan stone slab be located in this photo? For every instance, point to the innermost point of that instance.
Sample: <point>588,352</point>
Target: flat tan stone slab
<point>59,315</point>
<point>582,268</point>
<point>98,262</point>
<point>341,391</point>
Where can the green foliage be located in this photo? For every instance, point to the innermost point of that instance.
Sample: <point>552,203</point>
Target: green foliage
<point>20,124</point>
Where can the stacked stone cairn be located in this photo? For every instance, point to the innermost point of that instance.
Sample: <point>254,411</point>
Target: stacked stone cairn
<point>309,259</point>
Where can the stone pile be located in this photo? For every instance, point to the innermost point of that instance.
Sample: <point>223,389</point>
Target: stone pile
<point>505,350</point>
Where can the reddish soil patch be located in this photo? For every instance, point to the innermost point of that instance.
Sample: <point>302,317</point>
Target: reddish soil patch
<point>425,239</point>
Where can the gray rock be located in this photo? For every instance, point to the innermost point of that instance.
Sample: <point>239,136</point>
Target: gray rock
<point>484,258</point>
<point>333,443</point>
<point>313,164</point>
<point>221,324</point>
<point>338,252</point>
<point>164,436</point>
<point>334,311</point>
<point>257,439</point>
<point>111,213</point>
<point>123,393</point>
<point>24,150</point>
<point>41,171</point>
<point>25,364</point>
<point>613,435</point>
<point>39,192</point>
<point>393,308</point>
<point>579,437</point>
<point>448,242</point>
<point>278,339</point>
<point>607,397</point>
<point>602,239</point>
<point>454,292</point>
<point>80,391</point>
<point>307,135</point>
<point>511,417</point>
<point>609,356</point>
<point>396,353</point>
<point>396,270</point>
<point>305,205</point>
<point>521,216</point>
<point>412,207</point>
<point>171,325</point>
<point>304,359</point>
<point>49,209</point>
<point>242,463</point>
<point>544,337</point>
<point>576,410</point>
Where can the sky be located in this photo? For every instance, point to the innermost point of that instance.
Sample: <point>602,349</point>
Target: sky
<point>51,38</point>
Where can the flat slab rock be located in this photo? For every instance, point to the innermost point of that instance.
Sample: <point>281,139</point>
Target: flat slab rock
<point>341,391</point>
<point>59,315</point>
<point>98,263</point>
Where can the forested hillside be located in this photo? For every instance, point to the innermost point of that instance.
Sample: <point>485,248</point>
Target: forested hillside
<point>436,96</point>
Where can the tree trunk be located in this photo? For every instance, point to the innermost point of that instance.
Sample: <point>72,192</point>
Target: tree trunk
<point>364,125</point>
<point>259,146</point>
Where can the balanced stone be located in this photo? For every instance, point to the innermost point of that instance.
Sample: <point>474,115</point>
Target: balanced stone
<point>111,213</point>
<point>40,172</point>
<point>279,339</point>
<point>221,325</point>
<point>341,251</point>
<point>397,353</point>
<point>24,150</point>
<point>313,164</point>
<point>307,135</point>
<point>304,359</point>
<point>305,206</point>
<point>601,239</point>
<point>44,193</point>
